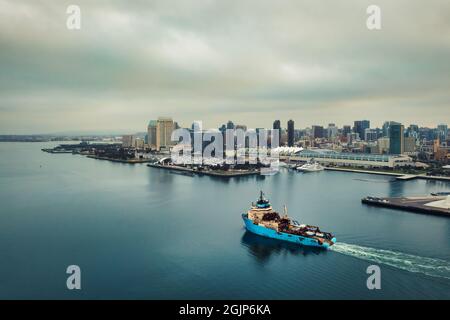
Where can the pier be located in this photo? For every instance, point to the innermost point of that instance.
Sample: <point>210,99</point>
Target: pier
<point>130,161</point>
<point>407,177</point>
<point>214,173</point>
<point>396,175</point>
<point>430,205</point>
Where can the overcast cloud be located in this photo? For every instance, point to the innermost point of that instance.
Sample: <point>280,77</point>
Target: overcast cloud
<point>249,61</point>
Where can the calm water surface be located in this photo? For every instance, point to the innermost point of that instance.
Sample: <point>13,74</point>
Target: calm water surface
<point>139,232</point>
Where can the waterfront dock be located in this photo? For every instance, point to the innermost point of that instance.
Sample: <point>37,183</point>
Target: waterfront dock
<point>214,173</point>
<point>52,150</point>
<point>130,161</point>
<point>393,174</point>
<point>430,205</point>
<point>396,175</point>
<point>407,177</point>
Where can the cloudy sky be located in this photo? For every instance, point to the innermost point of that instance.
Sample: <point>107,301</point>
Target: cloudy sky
<point>251,61</point>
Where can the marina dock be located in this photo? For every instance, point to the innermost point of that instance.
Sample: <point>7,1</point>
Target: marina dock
<point>430,205</point>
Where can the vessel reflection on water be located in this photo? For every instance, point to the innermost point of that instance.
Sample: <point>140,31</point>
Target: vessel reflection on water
<point>261,219</point>
<point>263,248</point>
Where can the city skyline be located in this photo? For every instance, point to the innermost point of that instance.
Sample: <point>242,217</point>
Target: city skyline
<point>253,62</point>
<point>283,125</point>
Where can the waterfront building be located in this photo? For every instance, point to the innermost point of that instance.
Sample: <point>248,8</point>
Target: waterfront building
<point>291,129</point>
<point>360,127</point>
<point>128,141</point>
<point>164,129</point>
<point>151,134</point>
<point>396,138</point>
<point>330,157</point>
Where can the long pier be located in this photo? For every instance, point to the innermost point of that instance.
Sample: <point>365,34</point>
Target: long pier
<point>413,204</point>
<point>398,176</point>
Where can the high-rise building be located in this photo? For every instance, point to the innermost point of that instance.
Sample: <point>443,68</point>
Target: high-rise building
<point>409,144</point>
<point>346,130</point>
<point>396,138</point>
<point>230,124</point>
<point>151,134</point>
<point>139,143</point>
<point>360,127</point>
<point>317,132</point>
<point>291,132</point>
<point>370,135</point>
<point>277,124</point>
<point>427,134</point>
<point>332,131</point>
<point>383,145</point>
<point>385,129</point>
<point>196,126</point>
<point>164,129</point>
<point>128,141</point>
<point>442,132</point>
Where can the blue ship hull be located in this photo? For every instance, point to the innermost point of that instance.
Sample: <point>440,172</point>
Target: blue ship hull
<point>270,233</point>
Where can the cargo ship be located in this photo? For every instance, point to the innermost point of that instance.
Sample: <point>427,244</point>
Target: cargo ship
<point>262,220</point>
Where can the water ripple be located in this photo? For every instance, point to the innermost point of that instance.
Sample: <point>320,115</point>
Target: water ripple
<point>428,266</point>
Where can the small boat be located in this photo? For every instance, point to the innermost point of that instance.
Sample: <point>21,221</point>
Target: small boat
<point>262,220</point>
<point>440,194</point>
<point>310,166</point>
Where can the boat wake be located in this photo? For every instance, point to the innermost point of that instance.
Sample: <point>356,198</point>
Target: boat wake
<point>428,266</point>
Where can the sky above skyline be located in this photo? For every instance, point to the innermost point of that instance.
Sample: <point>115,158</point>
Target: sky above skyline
<point>249,61</point>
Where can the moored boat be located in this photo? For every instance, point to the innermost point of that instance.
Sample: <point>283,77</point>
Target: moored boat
<point>261,219</point>
<point>440,194</point>
<point>311,166</point>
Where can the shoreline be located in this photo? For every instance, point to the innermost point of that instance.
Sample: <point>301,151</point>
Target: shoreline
<point>222,174</point>
<point>131,161</point>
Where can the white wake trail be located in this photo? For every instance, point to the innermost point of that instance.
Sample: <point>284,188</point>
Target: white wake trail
<point>429,266</point>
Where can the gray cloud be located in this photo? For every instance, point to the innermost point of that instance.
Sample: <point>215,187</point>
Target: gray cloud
<point>250,61</point>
